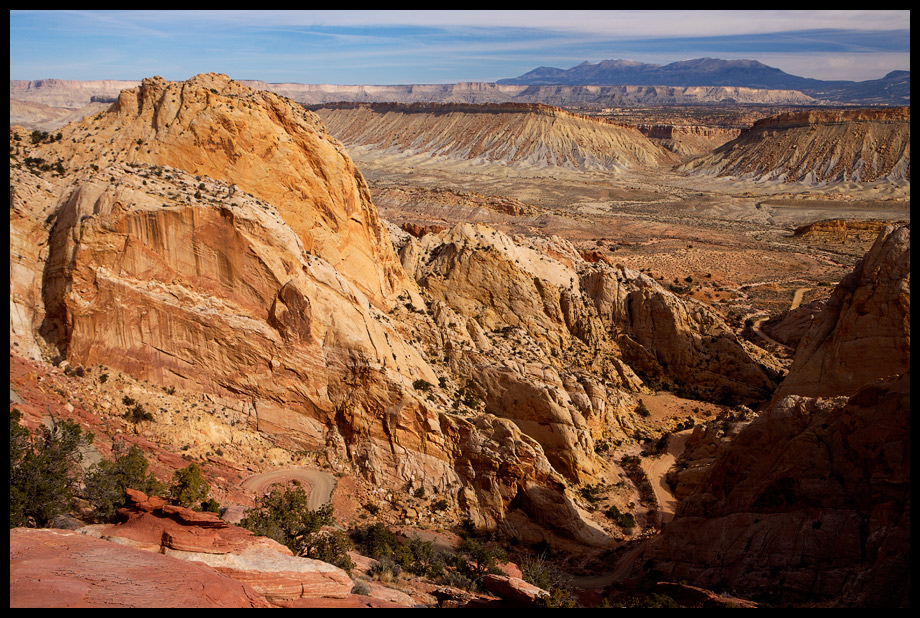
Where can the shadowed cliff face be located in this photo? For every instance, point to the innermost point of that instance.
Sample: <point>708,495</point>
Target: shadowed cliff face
<point>810,503</point>
<point>863,331</point>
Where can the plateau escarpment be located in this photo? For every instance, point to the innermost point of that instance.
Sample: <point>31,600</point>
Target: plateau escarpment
<point>530,135</point>
<point>818,147</point>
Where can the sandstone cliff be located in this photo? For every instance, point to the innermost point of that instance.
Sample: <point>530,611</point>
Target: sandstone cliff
<point>264,145</point>
<point>863,331</point>
<point>138,254</point>
<point>818,147</point>
<point>810,502</point>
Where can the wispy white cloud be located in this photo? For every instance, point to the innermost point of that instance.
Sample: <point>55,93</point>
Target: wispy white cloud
<point>420,46</point>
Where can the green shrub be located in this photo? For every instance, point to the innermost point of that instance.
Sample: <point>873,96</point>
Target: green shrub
<point>44,470</point>
<point>626,521</point>
<point>106,481</point>
<point>283,515</point>
<point>189,489</point>
<point>482,558</point>
<point>330,546</point>
<point>137,414</point>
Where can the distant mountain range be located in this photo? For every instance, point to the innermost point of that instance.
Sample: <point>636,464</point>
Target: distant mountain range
<point>893,89</point>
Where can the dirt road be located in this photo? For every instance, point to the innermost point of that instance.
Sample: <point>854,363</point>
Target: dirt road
<point>657,468</point>
<point>318,484</point>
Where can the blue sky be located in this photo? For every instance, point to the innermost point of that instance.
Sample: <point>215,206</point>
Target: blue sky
<point>399,47</point>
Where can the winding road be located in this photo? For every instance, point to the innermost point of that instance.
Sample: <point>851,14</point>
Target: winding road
<point>319,484</point>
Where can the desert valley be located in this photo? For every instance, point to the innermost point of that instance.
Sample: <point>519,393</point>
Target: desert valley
<point>534,344</point>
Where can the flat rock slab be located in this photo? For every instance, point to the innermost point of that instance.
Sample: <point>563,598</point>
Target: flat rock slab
<point>59,568</point>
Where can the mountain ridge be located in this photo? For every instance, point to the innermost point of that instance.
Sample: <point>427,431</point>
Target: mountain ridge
<point>717,72</point>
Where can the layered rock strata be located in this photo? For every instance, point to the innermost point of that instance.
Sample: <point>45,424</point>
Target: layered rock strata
<point>523,135</point>
<point>865,145</point>
<point>190,281</point>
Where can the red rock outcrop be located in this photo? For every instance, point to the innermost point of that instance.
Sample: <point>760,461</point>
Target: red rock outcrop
<point>58,568</point>
<point>513,589</point>
<point>265,565</point>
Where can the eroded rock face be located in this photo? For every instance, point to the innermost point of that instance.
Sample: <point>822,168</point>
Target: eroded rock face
<point>237,291</point>
<point>810,503</point>
<point>863,332</point>
<point>264,144</point>
<point>507,134</point>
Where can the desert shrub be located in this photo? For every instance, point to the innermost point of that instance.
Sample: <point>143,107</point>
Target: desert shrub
<point>283,515</point>
<point>426,560</point>
<point>421,385</point>
<point>44,470</point>
<point>361,588</point>
<point>330,546</point>
<point>544,574</point>
<point>535,571</point>
<point>626,521</point>
<point>189,489</point>
<point>481,558</point>
<point>137,414</point>
<point>416,556</point>
<point>106,481</point>
<point>386,570</point>
<point>557,597</point>
<point>652,600</point>
<point>373,509</point>
<point>378,542</point>
<point>456,579</point>
<point>591,493</point>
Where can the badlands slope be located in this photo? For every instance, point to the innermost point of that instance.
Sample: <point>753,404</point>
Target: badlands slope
<point>525,135</point>
<point>818,147</point>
